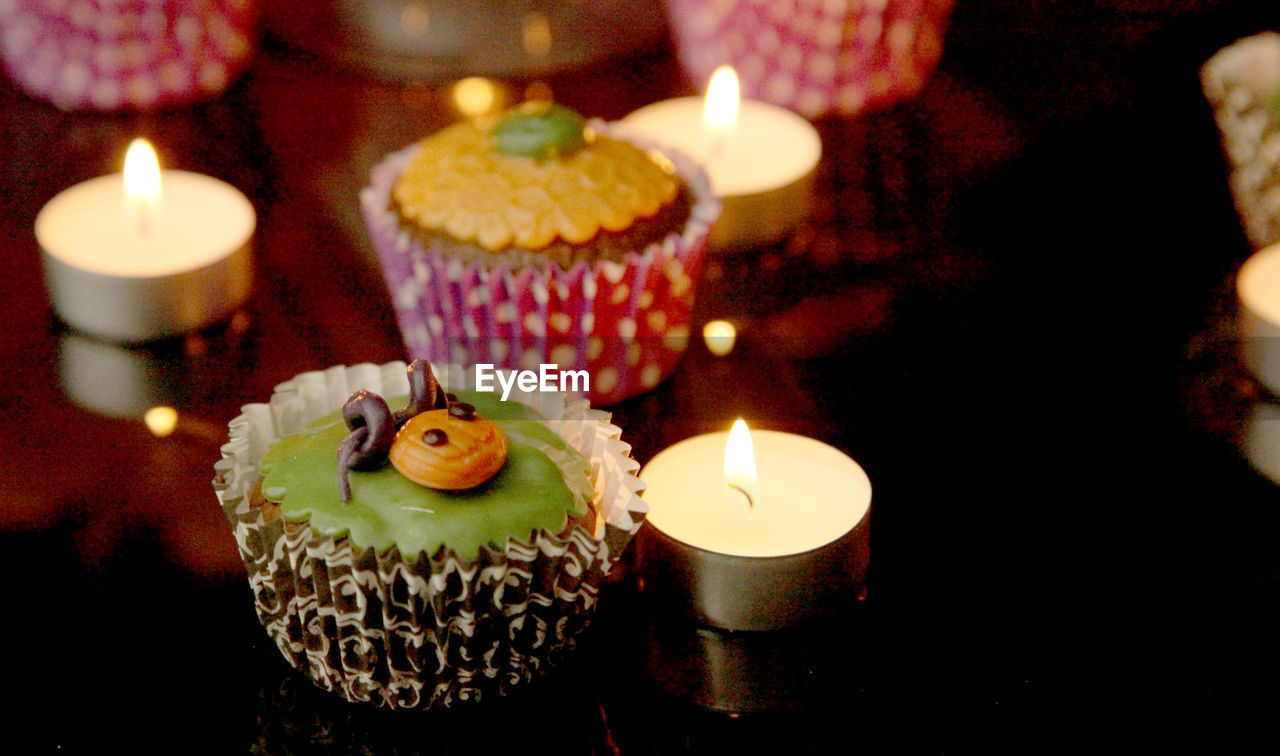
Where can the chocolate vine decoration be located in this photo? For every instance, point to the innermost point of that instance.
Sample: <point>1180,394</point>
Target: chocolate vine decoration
<point>373,427</point>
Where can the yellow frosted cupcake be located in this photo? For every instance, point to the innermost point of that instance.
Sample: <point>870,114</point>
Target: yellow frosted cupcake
<point>535,237</point>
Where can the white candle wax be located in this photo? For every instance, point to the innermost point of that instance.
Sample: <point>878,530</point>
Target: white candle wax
<point>131,277</point>
<point>1258,293</point>
<point>809,495</point>
<point>762,169</point>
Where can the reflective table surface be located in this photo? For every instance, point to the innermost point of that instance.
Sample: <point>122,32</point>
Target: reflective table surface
<point>1013,306</point>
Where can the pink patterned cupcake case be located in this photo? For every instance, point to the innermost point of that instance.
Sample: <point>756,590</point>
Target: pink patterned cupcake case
<point>625,323</point>
<point>110,55</point>
<point>816,57</point>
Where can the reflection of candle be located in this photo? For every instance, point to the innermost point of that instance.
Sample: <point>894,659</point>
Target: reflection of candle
<point>1258,295</point>
<point>114,380</point>
<point>1261,439</point>
<point>760,157</point>
<point>174,258</point>
<point>799,548</point>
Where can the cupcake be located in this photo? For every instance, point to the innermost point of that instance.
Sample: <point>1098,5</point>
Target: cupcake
<point>534,238</point>
<point>411,548</point>
<point>816,57</point>
<point>1242,84</point>
<point>138,55</point>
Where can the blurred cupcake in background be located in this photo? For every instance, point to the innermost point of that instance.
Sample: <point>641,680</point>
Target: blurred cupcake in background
<point>136,55</point>
<point>1242,84</point>
<point>816,57</point>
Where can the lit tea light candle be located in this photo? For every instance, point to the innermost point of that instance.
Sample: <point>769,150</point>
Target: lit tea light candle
<point>145,254</point>
<point>760,157</point>
<point>755,530</point>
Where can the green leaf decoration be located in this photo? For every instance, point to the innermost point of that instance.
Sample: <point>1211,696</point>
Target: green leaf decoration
<point>540,130</point>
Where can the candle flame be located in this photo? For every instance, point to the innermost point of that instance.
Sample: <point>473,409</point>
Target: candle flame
<point>141,178</point>
<point>740,462</point>
<point>720,109</point>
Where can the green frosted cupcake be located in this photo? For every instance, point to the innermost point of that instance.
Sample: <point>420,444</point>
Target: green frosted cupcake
<point>391,592</point>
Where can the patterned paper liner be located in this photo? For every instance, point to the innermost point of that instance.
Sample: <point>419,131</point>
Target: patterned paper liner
<point>815,57</point>
<point>1241,82</point>
<point>134,55</point>
<point>626,324</point>
<point>436,630</point>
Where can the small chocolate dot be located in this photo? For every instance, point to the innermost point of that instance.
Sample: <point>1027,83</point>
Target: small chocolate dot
<point>451,397</point>
<point>435,437</point>
<point>462,411</point>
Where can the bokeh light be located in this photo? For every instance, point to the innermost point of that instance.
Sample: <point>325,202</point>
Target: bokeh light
<point>161,421</point>
<point>719,336</point>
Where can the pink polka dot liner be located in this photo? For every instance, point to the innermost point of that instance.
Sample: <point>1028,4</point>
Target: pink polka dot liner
<point>816,57</point>
<point>626,324</point>
<point>110,55</point>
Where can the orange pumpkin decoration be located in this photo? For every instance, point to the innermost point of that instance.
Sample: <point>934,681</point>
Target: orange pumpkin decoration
<point>450,449</point>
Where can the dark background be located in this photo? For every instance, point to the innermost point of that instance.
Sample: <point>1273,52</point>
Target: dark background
<point>1013,307</point>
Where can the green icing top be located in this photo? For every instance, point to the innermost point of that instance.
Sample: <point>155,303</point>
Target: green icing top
<point>543,482</point>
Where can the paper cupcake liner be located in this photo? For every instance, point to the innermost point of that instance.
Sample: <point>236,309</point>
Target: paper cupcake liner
<point>135,55</point>
<point>626,324</point>
<point>1241,82</point>
<point>814,56</point>
<point>436,630</point>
